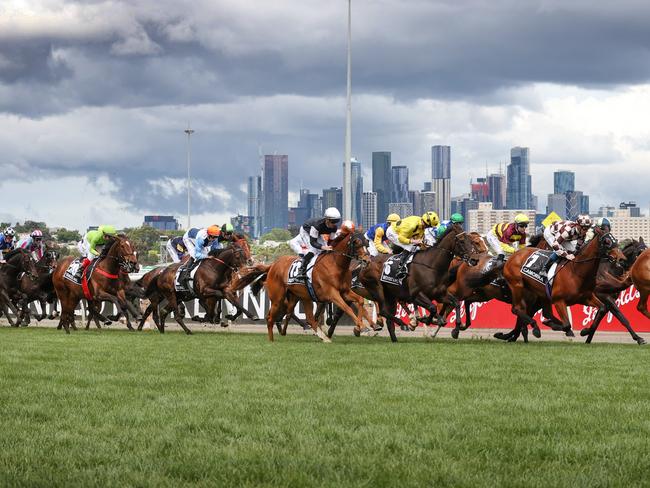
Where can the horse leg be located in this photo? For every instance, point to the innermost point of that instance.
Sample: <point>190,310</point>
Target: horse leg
<point>561,308</point>
<point>276,312</point>
<point>600,314</point>
<point>311,320</point>
<point>612,307</point>
<point>7,300</point>
<point>173,304</point>
<point>388,309</point>
<point>145,315</point>
<point>642,306</point>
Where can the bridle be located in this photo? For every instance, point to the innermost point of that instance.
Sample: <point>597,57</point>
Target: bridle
<point>602,250</point>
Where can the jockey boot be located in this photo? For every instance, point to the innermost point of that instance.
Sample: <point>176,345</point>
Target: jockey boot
<point>547,267</point>
<point>184,278</point>
<point>303,267</point>
<point>403,258</point>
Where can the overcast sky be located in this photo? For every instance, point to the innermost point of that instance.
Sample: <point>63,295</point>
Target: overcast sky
<point>94,97</point>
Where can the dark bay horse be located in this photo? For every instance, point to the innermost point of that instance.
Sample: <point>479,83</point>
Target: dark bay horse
<point>574,283</point>
<point>18,263</point>
<point>41,289</point>
<point>104,284</point>
<point>331,282</point>
<point>210,285</point>
<point>427,281</point>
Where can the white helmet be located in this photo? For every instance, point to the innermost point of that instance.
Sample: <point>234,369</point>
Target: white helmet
<point>584,221</point>
<point>332,213</point>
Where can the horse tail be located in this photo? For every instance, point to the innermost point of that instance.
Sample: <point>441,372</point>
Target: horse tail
<point>255,275</point>
<point>481,279</point>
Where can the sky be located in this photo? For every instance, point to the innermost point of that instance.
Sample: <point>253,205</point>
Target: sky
<point>95,95</point>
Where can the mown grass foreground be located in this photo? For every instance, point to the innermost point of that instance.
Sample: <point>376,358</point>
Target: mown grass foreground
<point>111,408</point>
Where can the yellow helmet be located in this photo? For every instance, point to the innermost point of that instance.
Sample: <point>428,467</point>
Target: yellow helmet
<point>393,218</point>
<point>521,219</point>
<point>431,219</point>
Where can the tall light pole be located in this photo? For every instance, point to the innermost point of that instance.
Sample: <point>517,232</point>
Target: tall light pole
<point>347,170</point>
<point>189,133</point>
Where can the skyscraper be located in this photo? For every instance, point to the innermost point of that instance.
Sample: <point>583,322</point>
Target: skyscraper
<point>369,214</point>
<point>441,179</point>
<point>427,201</point>
<point>497,191</point>
<point>564,181</point>
<point>276,192</point>
<point>332,197</point>
<point>255,204</point>
<point>519,193</point>
<point>414,198</point>
<point>357,190</point>
<point>400,187</point>
<point>382,181</point>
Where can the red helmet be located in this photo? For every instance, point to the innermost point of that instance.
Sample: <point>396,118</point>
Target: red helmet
<point>36,233</point>
<point>214,231</point>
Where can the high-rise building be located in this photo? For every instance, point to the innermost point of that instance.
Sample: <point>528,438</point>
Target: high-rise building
<point>564,181</point>
<point>161,222</point>
<point>574,204</point>
<point>332,197</point>
<point>400,193</point>
<point>556,203</point>
<point>255,205</point>
<point>463,204</point>
<point>480,190</point>
<point>403,209</point>
<point>441,179</point>
<point>497,190</point>
<point>519,194</point>
<point>357,190</point>
<point>427,186</point>
<point>276,192</point>
<point>369,214</point>
<point>414,198</point>
<point>635,210</point>
<point>427,201</point>
<point>382,181</point>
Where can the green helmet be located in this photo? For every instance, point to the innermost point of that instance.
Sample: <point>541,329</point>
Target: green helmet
<point>107,230</point>
<point>227,228</point>
<point>457,218</point>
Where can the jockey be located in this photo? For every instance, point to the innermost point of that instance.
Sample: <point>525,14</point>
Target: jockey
<point>7,241</point>
<point>430,231</point>
<point>189,239</point>
<point>505,239</point>
<point>376,236</point>
<point>565,238</point>
<point>407,234</point>
<point>456,220</point>
<point>176,249</point>
<point>603,223</point>
<point>200,248</point>
<point>92,239</point>
<point>227,233</point>
<point>310,241</point>
<point>34,244</point>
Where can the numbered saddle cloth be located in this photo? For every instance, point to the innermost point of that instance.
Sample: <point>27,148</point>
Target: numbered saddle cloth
<point>536,263</point>
<point>389,273</point>
<point>75,270</point>
<point>294,271</point>
<point>180,287</point>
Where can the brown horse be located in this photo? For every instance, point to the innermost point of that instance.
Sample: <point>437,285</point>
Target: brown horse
<point>210,284</point>
<point>427,280</point>
<point>640,274</point>
<point>574,283</point>
<point>104,284</point>
<point>17,262</point>
<point>40,289</point>
<point>331,282</point>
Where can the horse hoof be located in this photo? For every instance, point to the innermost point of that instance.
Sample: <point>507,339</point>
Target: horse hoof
<point>356,332</point>
<point>500,336</point>
<point>569,333</point>
<point>641,341</point>
<point>329,321</point>
<point>585,332</point>
<point>537,333</point>
<point>455,333</point>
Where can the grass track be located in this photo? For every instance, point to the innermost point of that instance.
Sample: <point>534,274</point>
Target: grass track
<point>113,408</point>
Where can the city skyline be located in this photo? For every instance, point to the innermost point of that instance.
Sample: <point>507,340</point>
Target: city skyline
<point>94,97</point>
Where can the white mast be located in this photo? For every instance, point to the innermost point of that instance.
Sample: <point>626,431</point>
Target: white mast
<point>347,170</point>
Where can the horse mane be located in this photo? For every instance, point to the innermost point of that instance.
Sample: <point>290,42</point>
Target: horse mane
<point>216,252</point>
<point>534,240</point>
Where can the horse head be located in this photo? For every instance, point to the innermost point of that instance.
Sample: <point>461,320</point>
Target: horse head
<point>465,249</point>
<point>241,242</point>
<point>22,261</point>
<point>608,248</point>
<point>478,243</point>
<point>49,259</point>
<point>122,250</point>
<point>351,244</point>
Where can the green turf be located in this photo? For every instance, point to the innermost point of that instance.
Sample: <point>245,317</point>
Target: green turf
<point>140,409</point>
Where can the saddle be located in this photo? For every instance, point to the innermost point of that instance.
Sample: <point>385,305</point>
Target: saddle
<point>534,265</point>
<point>390,272</point>
<point>74,272</point>
<point>186,286</point>
<point>294,278</point>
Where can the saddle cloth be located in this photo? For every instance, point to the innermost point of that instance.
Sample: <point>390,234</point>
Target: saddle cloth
<point>294,271</point>
<point>391,266</point>
<point>179,286</point>
<point>535,264</point>
<point>74,271</point>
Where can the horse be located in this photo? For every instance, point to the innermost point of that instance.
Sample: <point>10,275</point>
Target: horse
<point>18,263</point>
<point>211,282</point>
<point>103,284</point>
<point>41,289</point>
<point>331,277</point>
<point>427,280</point>
<point>608,286</point>
<point>640,274</point>
<point>574,282</point>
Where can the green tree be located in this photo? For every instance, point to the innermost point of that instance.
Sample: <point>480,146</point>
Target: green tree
<point>65,235</point>
<point>29,225</point>
<point>144,238</point>
<point>278,235</point>
<point>270,254</point>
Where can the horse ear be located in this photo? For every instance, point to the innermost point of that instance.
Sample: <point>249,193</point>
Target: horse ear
<point>641,241</point>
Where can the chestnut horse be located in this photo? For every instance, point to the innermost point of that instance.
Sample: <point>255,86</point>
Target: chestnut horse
<point>640,274</point>
<point>331,282</point>
<point>574,283</point>
<point>104,283</point>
